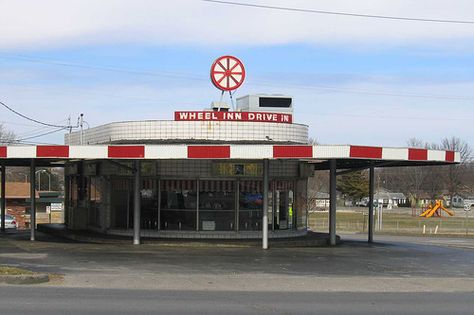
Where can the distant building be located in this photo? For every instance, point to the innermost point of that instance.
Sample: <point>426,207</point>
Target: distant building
<point>17,195</point>
<point>394,199</point>
<point>49,206</point>
<point>387,198</point>
<point>459,200</point>
<point>317,201</point>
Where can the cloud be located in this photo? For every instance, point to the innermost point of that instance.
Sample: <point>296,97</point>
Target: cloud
<point>31,24</point>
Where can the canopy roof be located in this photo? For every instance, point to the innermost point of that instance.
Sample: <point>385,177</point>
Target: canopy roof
<point>348,156</point>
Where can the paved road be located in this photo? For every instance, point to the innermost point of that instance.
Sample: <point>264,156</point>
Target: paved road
<point>396,275</point>
<point>27,300</point>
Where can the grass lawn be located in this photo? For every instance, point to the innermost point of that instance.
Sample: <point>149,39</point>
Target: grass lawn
<point>394,222</point>
<point>13,271</point>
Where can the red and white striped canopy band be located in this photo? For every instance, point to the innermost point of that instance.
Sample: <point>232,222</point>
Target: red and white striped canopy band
<point>228,151</point>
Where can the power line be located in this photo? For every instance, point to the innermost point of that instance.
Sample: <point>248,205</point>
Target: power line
<point>364,91</point>
<point>102,68</point>
<point>3,122</point>
<point>9,141</point>
<point>253,82</point>
<point>34,131</point>
<point>31,119</point>
<point>43,134</point>
<point>387,17</point>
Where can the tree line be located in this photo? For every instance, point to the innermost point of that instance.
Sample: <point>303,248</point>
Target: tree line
<point>416,182</point>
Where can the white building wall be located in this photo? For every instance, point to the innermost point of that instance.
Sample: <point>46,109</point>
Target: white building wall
<point>161,130</point>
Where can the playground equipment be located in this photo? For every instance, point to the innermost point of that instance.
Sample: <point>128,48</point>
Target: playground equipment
<point>435,211</point>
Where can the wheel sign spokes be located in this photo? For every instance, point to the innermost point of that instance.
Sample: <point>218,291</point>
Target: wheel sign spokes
<point>227,73</point>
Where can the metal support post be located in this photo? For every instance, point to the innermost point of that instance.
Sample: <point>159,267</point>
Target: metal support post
<point>237,194</point>
<point>265,205</point>
<point>32,199</point>
<point>332,202</point>
<point>274,210</point>
<point>3,201</point>
<point>197,205</point>
<point>159,205</point>
<point>136,203</point>
<point>371,205</point>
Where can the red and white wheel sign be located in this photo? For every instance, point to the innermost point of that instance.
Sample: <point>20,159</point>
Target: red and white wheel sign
<point>227,73</point>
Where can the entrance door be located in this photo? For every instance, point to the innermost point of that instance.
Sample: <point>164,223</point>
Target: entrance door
<point>282,205</point>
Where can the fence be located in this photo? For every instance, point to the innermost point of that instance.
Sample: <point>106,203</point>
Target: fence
<point>398,222</point>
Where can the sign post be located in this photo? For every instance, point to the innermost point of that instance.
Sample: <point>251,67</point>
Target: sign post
<point>467,209</point>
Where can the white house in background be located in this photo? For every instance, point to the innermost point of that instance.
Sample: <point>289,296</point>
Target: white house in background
<point>317,201</point>
<point>460,200</point>
<point>386,197</point>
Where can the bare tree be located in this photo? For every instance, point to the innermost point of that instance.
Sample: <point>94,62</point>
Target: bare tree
<point>313,141</point>
<point>416,143</point>
<point>413,178</point>
<point>458,145</point>
<point>455,173</point>
<point>6,136</point>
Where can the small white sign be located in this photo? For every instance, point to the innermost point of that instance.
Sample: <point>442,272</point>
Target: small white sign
<point>56,206</point>
<point>208,225</point>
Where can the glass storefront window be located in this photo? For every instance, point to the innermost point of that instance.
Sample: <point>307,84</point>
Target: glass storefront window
<point>301,204</point>
<point>178,205</point>
<point>95,191</point>
<point>149,204</point>
<point>282,216</point>
<point>121,203</point>
<point>94,198</point>
<point>216,205</point>
<point>73,191</point>
<point>250,205</point>
<point>205,205</point>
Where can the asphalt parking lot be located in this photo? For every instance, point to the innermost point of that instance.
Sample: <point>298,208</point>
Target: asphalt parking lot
<point>390,257</point>
<point>402,267</point>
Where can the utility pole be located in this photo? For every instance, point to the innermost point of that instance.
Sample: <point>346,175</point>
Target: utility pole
<point>69,124</point>
<point>81,124</point>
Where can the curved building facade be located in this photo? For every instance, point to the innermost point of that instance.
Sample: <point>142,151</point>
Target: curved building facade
<point>207,174</point>
<point>168,131</point>
<point>192,197</point>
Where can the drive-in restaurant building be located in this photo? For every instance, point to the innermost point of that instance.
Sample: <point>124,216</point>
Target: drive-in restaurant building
<point>216,173</point>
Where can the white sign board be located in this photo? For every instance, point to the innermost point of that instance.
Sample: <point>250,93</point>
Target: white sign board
<point>56,206</point>
<point>208,225</point>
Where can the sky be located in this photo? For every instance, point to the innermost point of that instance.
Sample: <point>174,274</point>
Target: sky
<point>354,80</point>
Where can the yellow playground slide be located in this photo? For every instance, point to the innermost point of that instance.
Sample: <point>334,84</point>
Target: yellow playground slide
<point>435,211</point>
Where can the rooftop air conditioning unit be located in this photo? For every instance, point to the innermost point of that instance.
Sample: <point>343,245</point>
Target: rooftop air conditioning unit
<point>265,103</point>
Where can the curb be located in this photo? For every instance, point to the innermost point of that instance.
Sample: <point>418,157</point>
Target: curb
<point>24,279</point>
<point>169,242</point>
